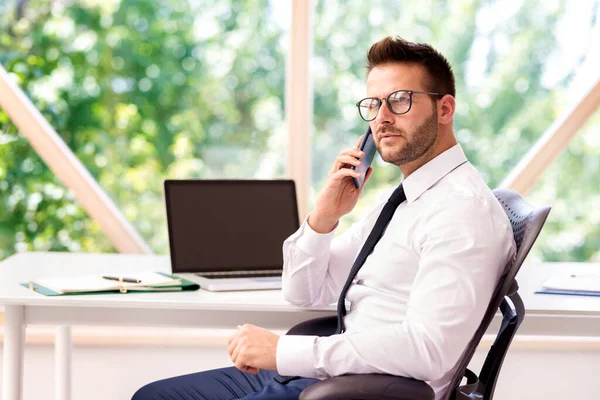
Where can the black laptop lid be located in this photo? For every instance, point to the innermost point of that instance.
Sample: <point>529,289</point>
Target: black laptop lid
<point>229,225</point>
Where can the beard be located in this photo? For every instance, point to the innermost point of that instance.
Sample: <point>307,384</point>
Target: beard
<point>416,143</point>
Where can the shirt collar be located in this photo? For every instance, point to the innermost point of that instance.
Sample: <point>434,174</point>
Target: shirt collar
<point>427,175</point>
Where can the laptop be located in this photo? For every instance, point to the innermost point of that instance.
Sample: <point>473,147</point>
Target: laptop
<point>229,234</point>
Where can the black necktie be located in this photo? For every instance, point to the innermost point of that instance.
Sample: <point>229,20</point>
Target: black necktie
<point>382,221</point>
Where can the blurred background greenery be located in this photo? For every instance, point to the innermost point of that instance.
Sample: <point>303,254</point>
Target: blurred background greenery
<point>144,90</point>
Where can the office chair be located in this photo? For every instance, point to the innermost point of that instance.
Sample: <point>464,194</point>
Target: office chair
<point>527,223</point>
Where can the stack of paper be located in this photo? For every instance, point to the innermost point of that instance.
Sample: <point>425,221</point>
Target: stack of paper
<point>148,281</point>
<point>566,283</point>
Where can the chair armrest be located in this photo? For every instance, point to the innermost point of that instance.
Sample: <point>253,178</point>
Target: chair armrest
<point>358,387</point>
<point>368,387</point>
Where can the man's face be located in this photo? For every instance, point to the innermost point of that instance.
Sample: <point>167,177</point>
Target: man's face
<point>401,139</point>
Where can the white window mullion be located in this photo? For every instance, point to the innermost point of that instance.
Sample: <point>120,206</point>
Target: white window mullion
<point>552,142</point>
<point>299,100</point>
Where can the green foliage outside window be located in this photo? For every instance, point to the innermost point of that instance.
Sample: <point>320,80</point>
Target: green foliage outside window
<point>140,90</point>
<point>504,56</point>
<point>143,90</point>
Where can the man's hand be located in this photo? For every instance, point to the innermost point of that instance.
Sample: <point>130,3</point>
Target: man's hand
<point>252,348</point>
<point>339,195</point>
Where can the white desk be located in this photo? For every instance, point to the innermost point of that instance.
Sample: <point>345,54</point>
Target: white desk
<point>547,315</point>
<point>199,308</point>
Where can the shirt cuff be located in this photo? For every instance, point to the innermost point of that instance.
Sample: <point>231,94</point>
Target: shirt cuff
<point>312,242</point>
<point>295,356</point>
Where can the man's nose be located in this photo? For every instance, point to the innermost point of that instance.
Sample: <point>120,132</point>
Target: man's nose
<point>385,116</point>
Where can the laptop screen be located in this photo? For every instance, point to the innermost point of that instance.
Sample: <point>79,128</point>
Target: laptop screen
<point>229,225</point>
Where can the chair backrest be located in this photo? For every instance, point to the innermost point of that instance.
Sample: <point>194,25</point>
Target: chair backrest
<point>527,222</point>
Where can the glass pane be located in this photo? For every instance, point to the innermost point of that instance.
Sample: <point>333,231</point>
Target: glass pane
<point>518,66</point>
<point>571,186</point>
<point>36,211</point>
<point>142,90</point>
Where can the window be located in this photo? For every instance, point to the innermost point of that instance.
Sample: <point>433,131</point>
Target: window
<point>140,90</point>
<point>143,90</point>
<point>518,66</point>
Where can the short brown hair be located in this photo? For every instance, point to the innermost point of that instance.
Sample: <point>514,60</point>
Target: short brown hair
<point>398,50</point>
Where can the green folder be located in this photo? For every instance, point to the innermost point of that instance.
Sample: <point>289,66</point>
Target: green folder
<point>184,286</point>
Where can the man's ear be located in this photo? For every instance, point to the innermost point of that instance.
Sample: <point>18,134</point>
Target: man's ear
<point>446,107</point>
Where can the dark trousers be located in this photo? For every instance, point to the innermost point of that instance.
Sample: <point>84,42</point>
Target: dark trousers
<point>223,384</point>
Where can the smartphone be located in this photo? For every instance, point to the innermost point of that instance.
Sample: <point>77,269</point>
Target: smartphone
<point>368,146</point>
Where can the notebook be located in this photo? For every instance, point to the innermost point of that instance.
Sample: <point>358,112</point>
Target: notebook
<point>146,282</point>
<point>572,284</point>
<point>229,234</point>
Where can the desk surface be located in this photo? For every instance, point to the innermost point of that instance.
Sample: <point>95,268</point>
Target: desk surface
<point>542,309</point>
<point>25,266</point>
<point>532,276</point>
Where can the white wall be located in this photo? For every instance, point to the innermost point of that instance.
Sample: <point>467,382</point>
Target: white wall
<point>115,372</point>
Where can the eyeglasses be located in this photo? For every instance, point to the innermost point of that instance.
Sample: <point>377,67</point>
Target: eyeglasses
<point>398,102</point>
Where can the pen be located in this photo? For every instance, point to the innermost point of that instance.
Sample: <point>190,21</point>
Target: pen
<point>121,279</point>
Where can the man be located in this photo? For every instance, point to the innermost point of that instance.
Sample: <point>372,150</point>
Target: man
<point>421,293</point>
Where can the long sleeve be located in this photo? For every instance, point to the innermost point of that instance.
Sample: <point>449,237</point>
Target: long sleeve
<point>464,248</point>
<point>316,265</point>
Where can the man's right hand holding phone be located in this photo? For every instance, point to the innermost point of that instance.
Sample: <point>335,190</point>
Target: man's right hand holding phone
<point>339,195</point>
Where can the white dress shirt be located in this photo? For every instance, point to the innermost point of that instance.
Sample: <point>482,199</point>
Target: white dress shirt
<point>420,295</point>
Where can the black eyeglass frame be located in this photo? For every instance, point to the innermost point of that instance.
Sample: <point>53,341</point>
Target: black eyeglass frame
<point>387,101</point>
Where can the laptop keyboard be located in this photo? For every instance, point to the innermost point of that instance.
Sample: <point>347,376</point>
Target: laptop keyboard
<point>240,274</point>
